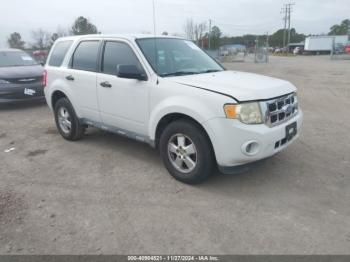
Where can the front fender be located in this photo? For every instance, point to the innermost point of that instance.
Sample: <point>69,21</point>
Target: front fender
<point>193,108</point>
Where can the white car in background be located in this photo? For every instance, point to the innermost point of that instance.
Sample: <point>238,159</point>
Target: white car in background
<point>296,50</point>
<point>167,92</point>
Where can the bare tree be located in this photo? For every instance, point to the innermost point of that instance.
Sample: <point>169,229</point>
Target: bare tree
<point>189,29</point>
<point>62,32</point>
<point>199,32</point>
<point>41,39</point>
<point>195,31</point>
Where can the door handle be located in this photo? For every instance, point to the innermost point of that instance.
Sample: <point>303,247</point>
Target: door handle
<point>70,78</point>
<point>106,84</point>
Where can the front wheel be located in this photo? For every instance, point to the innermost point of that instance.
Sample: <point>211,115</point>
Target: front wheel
<point>186,152</point>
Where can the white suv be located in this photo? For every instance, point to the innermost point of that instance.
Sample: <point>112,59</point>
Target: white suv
<point>167,92</point>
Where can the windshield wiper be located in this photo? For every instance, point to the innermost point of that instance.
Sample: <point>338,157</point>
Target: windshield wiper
<point>180,73</point>
<point>210,71</point>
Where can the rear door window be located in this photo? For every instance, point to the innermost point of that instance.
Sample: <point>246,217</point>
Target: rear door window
<point>59,52</point>
<point>85,56</point>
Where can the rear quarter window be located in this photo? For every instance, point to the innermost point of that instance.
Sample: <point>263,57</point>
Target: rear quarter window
<point>59,52</point>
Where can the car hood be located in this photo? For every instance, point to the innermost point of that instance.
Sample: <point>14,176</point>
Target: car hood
<point>21,71</point>
<point>239,85</point>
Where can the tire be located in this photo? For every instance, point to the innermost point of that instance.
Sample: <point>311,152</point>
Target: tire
<point>176,152</point>
<point>65,114</point>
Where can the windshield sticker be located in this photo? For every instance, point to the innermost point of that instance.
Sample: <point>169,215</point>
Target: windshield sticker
<point>27,58</point>
<point>192,45</point>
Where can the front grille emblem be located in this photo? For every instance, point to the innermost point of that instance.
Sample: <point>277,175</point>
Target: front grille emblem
<point>288,109</point>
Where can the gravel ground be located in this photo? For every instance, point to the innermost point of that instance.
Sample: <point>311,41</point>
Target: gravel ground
<point>109,195</point>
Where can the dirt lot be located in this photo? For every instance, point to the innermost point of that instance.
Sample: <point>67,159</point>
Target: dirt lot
<point>107,194</point>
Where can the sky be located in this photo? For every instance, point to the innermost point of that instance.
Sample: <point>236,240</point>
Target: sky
<point>233,17</point>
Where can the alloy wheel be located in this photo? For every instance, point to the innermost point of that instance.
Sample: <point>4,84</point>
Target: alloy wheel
<point>182,153</point>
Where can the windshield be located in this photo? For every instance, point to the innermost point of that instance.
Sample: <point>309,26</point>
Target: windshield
<point>15,58</point>
<point>174,57</point>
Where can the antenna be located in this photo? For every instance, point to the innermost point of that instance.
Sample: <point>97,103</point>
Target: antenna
<point>154,18</point>
<point>155,40</point>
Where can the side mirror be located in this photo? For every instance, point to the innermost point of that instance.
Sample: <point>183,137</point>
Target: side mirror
<point>130,72</point>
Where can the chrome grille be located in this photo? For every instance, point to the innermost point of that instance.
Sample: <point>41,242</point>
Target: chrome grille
<point>281,109</point>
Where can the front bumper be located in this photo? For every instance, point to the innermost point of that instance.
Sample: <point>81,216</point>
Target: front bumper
<point>18,93</point>
<point>229,137</point>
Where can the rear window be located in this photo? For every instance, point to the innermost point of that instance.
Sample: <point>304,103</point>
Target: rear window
<point>59,52</point>
<point>16,58</point>
<point>85,56</point>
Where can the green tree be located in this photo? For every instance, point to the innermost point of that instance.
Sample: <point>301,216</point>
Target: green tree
<point>276,39</point>
<point>82,26</point>
<point>247,40</point>
<point>15,41</point>
<point>215,37</point>
<point>342,29</point>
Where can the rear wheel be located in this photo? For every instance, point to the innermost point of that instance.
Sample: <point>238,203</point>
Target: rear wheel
<point>186,152</point>
<point>67,121</point>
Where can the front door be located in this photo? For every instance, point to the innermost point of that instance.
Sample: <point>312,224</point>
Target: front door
<point>123,102</point>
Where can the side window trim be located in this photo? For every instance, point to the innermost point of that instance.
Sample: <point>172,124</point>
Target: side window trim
<point>101,60</point>
<point>70,64</point>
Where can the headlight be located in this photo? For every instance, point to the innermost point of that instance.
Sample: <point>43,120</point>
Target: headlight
<point>295,97</point>
<point>2,81</point>
<point>247,113</point>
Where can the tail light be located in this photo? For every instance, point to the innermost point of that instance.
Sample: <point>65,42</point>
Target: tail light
<point>44,83</point>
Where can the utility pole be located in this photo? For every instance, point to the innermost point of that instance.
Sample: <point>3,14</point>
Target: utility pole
<point>289,21</point>
<point>285,12</point>
<point>209,35</point>
<point>267,40</point>
<point>267,47</point>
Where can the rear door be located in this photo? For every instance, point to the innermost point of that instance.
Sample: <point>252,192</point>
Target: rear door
<point>123,102</point>
<point>81,76</point>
